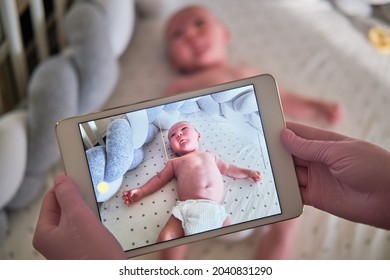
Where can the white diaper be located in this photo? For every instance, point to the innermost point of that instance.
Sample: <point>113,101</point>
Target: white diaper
<point>199,215</point>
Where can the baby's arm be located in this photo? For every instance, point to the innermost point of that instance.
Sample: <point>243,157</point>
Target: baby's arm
<point>154,184</point>
<point>237,172</point>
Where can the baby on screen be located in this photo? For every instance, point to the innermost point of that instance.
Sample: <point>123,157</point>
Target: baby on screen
<point>200,186</point>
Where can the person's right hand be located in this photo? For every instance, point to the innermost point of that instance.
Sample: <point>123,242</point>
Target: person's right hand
<point>343,176</point>
<point>68,229</point>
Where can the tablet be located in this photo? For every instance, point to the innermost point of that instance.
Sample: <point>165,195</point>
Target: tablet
<point>170,171</point>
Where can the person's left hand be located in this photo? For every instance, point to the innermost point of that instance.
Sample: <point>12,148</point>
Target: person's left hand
<point>68,229</point>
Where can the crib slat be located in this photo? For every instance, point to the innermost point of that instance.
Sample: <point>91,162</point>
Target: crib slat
<point>39,25</point>
<point>96,132</point>
<point>9,14</point>
<point>59,10</point>
<point>87,142</point>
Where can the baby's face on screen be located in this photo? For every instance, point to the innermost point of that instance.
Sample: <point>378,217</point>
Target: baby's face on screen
<point>183,138</point>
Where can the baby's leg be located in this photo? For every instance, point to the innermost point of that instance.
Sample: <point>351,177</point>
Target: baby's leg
<point>172,229</point>
<point>301,106</point>
<point>227,222</point>
<point>277,240</point>
<point>175,253</point>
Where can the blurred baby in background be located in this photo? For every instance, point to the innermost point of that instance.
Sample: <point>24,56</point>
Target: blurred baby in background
<point>197,48</point>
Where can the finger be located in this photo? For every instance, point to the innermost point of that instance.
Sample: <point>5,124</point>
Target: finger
<point>312,133</point>
<point>132,200</point>
<point>305,195</point>
<point>253,175</point>
<point>299,162</point>
<point>311,150</point>
<point>50,211</point>
<point>129,203</point>
<point>48,220</point>
<point>302,176</point>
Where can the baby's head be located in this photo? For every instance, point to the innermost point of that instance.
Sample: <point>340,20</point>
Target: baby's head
<point>196,39</point>
<point>183,138</point>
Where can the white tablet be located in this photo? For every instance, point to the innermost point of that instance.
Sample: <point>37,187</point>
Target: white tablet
<point>166,172</point>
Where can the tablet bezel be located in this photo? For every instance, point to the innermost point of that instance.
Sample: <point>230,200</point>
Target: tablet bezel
<point>268,101</point>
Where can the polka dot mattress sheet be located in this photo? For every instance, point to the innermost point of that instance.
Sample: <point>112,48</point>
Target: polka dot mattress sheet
<point>238,144</point>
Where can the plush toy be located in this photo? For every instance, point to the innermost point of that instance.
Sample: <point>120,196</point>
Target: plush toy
<point>13,146</point>
<point>76,81</point>
<point>70,83</point>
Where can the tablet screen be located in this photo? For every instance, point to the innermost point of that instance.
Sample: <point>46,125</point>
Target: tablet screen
<point>210,153</point>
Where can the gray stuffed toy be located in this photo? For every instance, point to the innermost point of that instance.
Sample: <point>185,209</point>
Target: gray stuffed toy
<point>76,82</point>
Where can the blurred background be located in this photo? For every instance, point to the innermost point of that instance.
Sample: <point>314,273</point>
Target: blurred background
<point>335,50</point>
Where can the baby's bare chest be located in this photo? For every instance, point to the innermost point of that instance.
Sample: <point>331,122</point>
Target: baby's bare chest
<point>198,177</point>
<point>197,163</point>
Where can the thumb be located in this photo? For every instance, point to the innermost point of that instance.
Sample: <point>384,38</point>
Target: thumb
<point>67,193</point>
<point>310,150</point>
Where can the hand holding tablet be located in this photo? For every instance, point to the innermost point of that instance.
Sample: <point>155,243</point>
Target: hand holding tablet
<point>67,228</point>
<point>227,164</point>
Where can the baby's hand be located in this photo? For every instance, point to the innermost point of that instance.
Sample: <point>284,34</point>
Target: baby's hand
<point>255,175</point>
<point>132,196</point>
